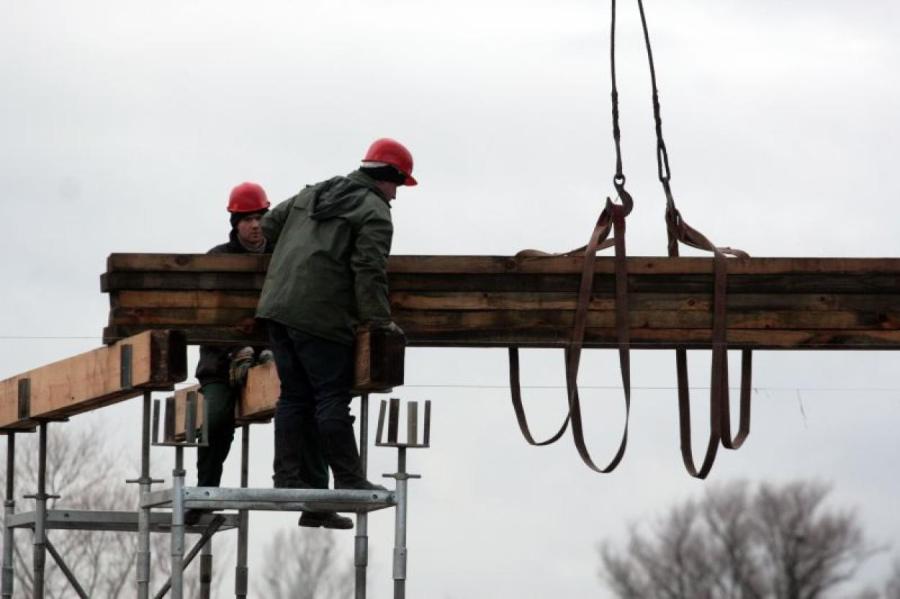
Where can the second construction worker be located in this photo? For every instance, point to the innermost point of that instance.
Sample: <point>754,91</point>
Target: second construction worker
<point>222,369</point>
<point>327,276</point>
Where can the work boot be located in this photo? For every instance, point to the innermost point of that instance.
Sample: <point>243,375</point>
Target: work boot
<point>326,519</point>
<point>193,515</point>
<point>342,455</point>
<point>294,483</point>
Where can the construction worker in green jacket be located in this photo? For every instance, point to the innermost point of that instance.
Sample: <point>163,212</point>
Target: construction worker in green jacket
<point>327,276</point>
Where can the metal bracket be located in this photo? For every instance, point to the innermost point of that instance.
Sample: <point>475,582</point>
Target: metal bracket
<point>125,366</point>
<point>24,399</point>
<point>412,425</point>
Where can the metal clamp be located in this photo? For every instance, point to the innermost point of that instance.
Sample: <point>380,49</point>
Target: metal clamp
<point>191,413</point>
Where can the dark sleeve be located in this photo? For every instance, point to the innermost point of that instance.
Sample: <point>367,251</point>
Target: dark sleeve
<point>369,264</point>
<point>273,221</point>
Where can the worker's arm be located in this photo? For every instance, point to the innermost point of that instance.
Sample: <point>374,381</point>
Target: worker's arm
<point>369,264</point>
<point>274,220</point>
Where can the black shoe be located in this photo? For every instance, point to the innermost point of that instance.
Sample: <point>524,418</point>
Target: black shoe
<point>326,519</point>
<point>193,515</point>
<point>359,483</point>
<point>290,484</point>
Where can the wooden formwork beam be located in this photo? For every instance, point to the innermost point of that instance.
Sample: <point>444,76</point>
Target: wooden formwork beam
<point>485,301</point>
<point>152,360</point>
<point>256,404</point>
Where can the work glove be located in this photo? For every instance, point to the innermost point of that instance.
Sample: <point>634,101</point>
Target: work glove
<point>265,356</point>
<point>241,361</point>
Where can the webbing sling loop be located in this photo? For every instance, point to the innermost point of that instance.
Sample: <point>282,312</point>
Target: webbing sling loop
<point>679,231</point>
<point>611,219</point>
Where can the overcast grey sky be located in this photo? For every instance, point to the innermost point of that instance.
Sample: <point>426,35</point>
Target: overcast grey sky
<point>124,125</point>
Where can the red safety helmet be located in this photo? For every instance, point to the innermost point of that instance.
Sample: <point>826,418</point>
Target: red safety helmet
<point>394,153</point>
<point>247,197</point>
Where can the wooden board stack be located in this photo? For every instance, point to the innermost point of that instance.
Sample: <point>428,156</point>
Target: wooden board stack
<point>489,301</point>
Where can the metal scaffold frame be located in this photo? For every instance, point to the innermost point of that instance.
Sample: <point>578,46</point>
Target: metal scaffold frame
<point>179,498</point>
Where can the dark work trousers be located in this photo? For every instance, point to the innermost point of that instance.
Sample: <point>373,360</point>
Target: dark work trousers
<point>220,399</point>
<point>316,378</point>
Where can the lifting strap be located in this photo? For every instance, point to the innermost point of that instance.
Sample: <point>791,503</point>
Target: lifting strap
<point>611,219</point>
<point>679,231</point>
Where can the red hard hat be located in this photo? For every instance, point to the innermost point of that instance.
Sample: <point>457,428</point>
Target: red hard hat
<point>394,153</point>
<point>247,197</point>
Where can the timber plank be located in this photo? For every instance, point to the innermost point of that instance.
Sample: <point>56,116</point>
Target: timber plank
<point>595,337</point>
<point>187,299</point>
<point>238,317</point>
<point>605,338</point>
<point>261,393</point>
<point>500,300</point>
<point>638,318</point>
<point>436,320</point>
<point>450,300</point>
<point>119,280</point>
<point>94,379</point>
<point>197,334</point>
<point>827,283</point>
<point>188,262</point>
<point>460,264</point>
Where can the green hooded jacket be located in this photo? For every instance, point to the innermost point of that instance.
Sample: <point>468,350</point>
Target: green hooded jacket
<point>328,272</point>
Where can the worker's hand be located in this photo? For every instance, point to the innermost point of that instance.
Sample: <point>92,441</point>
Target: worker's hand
<point>392,328</point>
<point>265,356</point>
<point>241,361</point>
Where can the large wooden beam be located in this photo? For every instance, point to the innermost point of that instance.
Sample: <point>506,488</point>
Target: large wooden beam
<point>257,401</point>
<point>153,360</point>
<point>485,301</point>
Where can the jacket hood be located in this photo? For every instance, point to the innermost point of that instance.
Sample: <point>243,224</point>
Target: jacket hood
<point>340,195</point>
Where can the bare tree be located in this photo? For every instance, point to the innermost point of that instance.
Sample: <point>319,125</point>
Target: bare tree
<point>87,474</point>
<point>771,542</point>
<point>303,564</point>
<point>892,587</point>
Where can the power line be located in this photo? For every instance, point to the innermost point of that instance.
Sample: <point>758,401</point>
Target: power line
<point>659,388</point>
<point>44,337</point>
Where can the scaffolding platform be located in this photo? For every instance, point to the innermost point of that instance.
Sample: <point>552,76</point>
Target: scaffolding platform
<point>115,521</point>
<point>219,498</point>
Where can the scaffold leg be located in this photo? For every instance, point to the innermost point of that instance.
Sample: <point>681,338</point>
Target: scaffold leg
<point>400,527</point>
<point>9,508</point>
<point>39,555</point>
<point>240,570</point>
<point>177,550</point>
<point>144,485</point>
<point>361,547</point>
